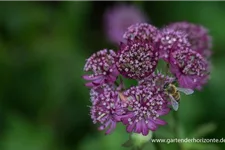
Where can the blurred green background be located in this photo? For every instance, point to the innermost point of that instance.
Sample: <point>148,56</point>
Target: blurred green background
<point>43,47</point>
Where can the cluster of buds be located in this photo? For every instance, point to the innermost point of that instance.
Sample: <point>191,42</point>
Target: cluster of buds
<point>185,49</point>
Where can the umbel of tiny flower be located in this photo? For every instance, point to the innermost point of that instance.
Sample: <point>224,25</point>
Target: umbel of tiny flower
<point>145,106</point>
<point>141,31</point>
<point>190,68</point>
<point>137,59</point>
<point>171,40</point>
<point>197,35</point>
<point>106,108</point>
<point>102,66</point>
<point>140,107</point>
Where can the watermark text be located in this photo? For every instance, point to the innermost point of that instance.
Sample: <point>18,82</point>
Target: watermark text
<point>188,140</point>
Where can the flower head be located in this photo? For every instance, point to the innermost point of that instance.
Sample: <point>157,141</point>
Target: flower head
<point>156,80</point>
<point>197,35</point>
<point>171,40</point>
<point>119,18</point>
<point>102,65</point>
<point>106,108</point>
<point>137,59</point>
<point>183,46</point>
<point>190,68</point>
<point>145,105</point>
<point>141,31</point>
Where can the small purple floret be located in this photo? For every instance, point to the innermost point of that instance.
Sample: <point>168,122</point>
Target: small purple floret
<point>170,40</point>
<point>141,31</point>
<point>106,108</point>
<point>102,65</point>
<point>137,59</point>
<point>190,68</point>
<point>197,35</point>
<point>145,106</point>
<point>157,80</point>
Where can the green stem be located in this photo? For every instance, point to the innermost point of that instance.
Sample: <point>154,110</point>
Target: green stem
<point>157,146</point>
<point>175,128</point>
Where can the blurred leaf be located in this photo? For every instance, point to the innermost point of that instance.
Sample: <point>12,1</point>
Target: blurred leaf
<point>128,143</point>
<point>129,82</point>
<point>200,146</point>
<point>215,95</point>
<point>165,131</point>
<point>211,22</point>
<point>109,142</point>
<point>203,130</point>
<point>190,110</point>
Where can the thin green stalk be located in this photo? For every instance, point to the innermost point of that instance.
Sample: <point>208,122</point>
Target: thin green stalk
<point>157,146</point>
<point>175,128</point>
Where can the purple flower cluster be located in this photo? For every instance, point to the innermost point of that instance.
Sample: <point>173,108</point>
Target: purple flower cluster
<point>185,49</point>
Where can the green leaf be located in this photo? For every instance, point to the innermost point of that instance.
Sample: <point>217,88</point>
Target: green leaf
<point>203,130</point>
<point>200,146</point>
<point>101,141</point>
<point>128,143</point>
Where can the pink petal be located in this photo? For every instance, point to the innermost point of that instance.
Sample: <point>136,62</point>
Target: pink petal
<point>151,125</point>
<point>112,127</point>
<point>130,127</point>
<point>89,84</point>
<point>88,77</point>
<point>115,72</point>
<point>163,111</point>
<point>138,128</point>
<point>144,128</point>
<point>98,81</point>
<point>160,122</point>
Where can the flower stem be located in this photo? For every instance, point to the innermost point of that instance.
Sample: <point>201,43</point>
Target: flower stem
<point>175,128</point>
<point>157,146</point>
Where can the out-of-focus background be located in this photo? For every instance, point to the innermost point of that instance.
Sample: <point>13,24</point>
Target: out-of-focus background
<point>43,47</point>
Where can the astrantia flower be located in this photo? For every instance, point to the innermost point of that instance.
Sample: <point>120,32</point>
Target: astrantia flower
<point>107,108</point>
<point>190,68</point>
<point>156,80</point>
<point>119,18</point>
<point>185,49</point>
<point>137,59</point>
<point>141,31</point>
<point>171,40</point>
<point>197,35</point>
<point>102,65</point>
<point>145,105</point>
